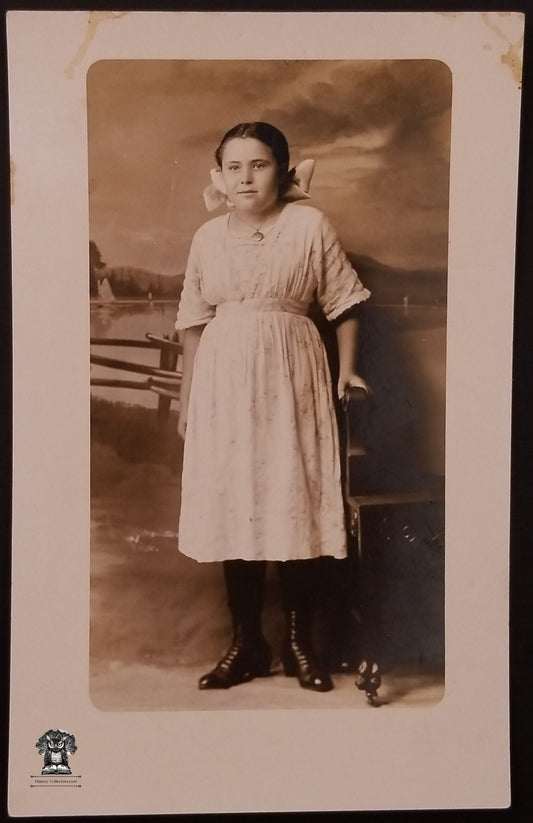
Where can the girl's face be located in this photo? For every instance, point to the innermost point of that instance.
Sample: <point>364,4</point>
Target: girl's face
<point>250,173</point>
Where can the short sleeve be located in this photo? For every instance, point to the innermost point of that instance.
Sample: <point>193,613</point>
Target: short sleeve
<point>193,309</point>
<point>339,287</point>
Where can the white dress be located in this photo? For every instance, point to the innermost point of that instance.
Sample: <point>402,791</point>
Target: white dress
<point>261,468</point>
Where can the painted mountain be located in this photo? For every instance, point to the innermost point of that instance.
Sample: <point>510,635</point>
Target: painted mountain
<point>128,282</point>
<point>388,285</point>
<point>393,286</point>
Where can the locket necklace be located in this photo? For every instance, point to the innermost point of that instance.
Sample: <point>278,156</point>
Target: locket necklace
<point>258,235</point>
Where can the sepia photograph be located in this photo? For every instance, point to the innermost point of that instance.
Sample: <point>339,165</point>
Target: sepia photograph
<point>257,559</point>
<point>263,271</point>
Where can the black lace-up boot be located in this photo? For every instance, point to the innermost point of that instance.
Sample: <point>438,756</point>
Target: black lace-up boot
<point>298,655</point>
<point>249,655</point>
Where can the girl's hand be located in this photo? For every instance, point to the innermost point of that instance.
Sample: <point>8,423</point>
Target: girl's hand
<point>351,380</point>
<point>191,340</point>
<point>182,425</point>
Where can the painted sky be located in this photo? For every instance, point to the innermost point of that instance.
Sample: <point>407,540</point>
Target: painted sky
<point>379,131</point>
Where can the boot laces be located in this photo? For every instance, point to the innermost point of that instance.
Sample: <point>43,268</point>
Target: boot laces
<point>230,657</point>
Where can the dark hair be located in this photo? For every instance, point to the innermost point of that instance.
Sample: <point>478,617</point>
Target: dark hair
<point>271,137</point>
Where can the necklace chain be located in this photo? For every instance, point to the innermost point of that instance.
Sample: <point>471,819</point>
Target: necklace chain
<point>257,235</point>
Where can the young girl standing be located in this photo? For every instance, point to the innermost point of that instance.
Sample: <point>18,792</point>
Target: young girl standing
<point>261,468</point>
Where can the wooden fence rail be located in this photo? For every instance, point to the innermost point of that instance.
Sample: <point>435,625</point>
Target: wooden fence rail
<point>164,379</point>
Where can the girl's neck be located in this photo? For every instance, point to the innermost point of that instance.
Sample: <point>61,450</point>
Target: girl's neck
<point>261,220</point>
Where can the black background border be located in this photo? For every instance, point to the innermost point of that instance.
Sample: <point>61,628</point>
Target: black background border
<point>521,622</point>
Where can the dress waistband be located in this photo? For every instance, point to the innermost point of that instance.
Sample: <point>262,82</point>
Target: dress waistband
<point>260,304</point>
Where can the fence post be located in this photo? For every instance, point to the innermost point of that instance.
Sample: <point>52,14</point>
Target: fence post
<point>167,361</point>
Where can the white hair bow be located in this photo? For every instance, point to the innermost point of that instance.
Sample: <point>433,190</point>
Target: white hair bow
<point>215,194</point>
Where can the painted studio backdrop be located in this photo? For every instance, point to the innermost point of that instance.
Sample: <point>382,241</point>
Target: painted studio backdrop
<point>380,134</point>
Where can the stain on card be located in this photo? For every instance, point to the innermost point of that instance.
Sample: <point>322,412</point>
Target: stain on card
<point>94,20</point>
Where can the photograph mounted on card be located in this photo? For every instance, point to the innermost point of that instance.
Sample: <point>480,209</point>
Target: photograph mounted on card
<point>258,472</point>
<point>368,169</point>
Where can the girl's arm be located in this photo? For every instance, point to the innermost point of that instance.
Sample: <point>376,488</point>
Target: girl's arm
<point>191,338</point>
<point>347,340</point>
